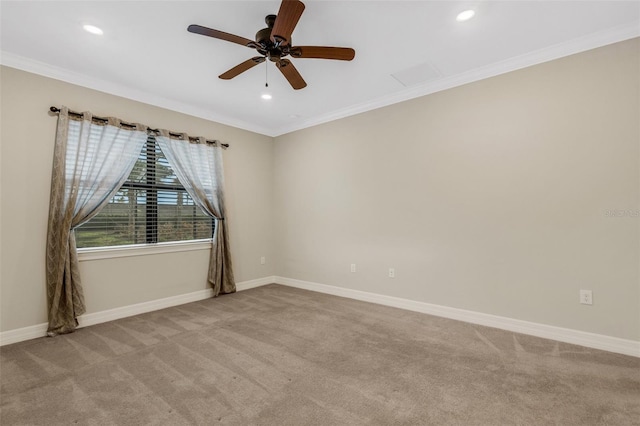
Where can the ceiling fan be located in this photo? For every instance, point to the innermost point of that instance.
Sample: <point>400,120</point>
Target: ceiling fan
<point>274,43</point>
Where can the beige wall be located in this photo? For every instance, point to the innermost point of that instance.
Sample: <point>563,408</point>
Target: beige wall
<point>490,197</point>
<point>26,156</point>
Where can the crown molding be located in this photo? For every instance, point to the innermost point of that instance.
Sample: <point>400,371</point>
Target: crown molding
<point>581,44</point>
<point>57,73</point>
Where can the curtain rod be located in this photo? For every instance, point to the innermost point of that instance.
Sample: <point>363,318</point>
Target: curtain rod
<point>126,124</point>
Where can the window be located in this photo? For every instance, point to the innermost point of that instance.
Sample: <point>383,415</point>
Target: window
<point>150,207</point>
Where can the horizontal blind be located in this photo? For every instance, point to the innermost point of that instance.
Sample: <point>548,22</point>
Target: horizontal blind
<point>151,207</point>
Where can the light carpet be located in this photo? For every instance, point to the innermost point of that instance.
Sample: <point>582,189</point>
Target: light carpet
<point>276,355</point>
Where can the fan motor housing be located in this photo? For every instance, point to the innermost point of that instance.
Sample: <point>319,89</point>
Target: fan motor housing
<point>269,48</point>
<point>263,37</point>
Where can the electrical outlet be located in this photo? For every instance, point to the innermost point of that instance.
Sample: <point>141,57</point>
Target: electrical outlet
<point>392,273</point>
<point>353,267</point>
<point>263,260</point>
<point>586,297</point>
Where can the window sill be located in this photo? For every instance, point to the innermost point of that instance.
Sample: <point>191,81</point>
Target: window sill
<point>96,253</point>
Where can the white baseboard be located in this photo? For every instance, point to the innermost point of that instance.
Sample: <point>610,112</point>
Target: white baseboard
<point>576,337</point>
<point>22,334</point>
<point>40,330</point>
<point>246,285</point>
<point>142,308</point>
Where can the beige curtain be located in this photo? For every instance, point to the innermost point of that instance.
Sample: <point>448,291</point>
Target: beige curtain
<point>91,161</point>
<point>198,166</point>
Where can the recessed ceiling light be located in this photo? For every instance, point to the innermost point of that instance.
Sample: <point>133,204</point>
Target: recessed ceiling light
<point>465,16</point>
<point>93,29</point>
<point>266,96</point>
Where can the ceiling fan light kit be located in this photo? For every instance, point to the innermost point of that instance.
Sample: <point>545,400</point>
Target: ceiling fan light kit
<point>274,43</point>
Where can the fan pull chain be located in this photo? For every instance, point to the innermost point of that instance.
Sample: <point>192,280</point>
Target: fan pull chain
<point>266,73</point>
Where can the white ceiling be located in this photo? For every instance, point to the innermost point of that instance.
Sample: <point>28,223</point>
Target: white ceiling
<point>147,54</point>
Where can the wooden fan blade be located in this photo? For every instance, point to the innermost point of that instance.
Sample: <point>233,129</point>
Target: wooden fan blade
<point>197,29</point>
<point>240,68</point>
<point>291,74</point>
<point>286,21</point>
<point>322,52</point>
